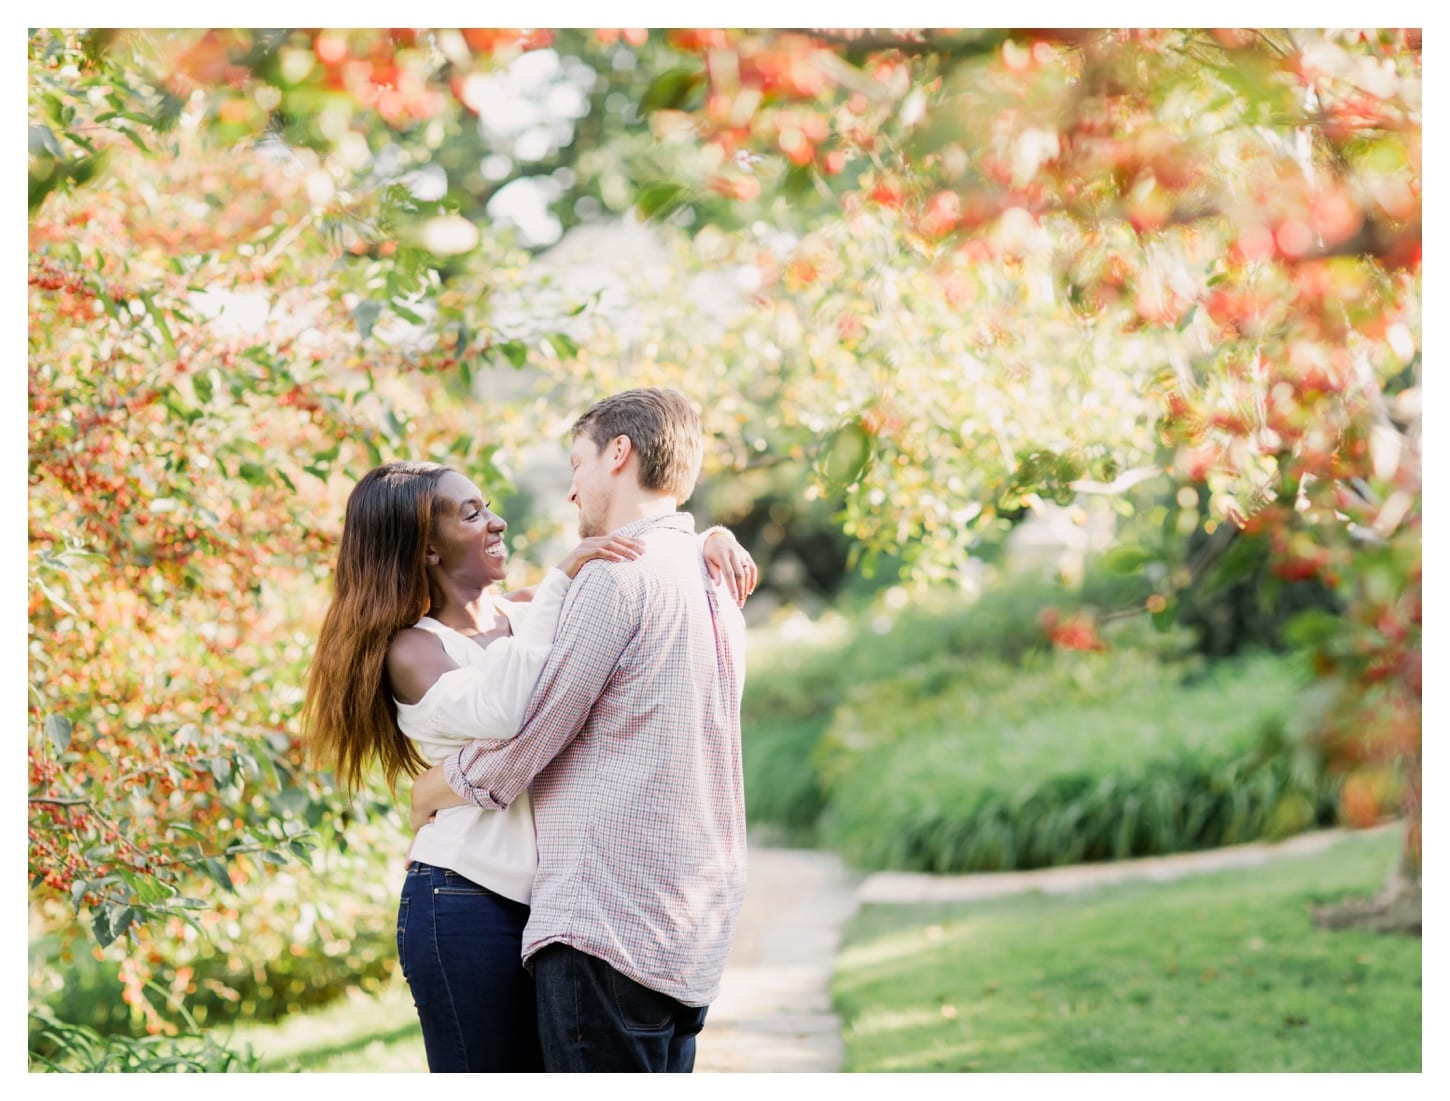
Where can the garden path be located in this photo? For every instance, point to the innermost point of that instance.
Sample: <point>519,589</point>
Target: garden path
<point>774,1009</point>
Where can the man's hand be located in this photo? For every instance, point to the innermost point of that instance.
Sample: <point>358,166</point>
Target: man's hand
<point>725,557</point>
<point>431,794</point>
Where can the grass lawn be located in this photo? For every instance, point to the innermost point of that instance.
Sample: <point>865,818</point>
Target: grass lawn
<point>1219,972</point>
<point>362,1033</point>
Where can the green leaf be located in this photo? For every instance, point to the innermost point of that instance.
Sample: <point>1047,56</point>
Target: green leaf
<point>1126,560</point>
<point>670,90</point>
<point>658,199</point>
<point>43,139</point>
<point>58,731</point>
<point>1237,563</point>
<point>253,474</point>
<point>393,428</point>
<point>516,351</point>
<point>216,871</point>
<point>159,317</point>
<point>111,921</point>
<point>134,138</point>
<point>1312,628</point>
<point>1164,619</point>
<point>365,316</point>
<point>846,454</point>
<point>564,347</point>
<point>55,598</point>
<point>149,890</point>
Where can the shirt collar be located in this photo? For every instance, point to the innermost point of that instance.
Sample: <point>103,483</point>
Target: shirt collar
<point>674,521</point>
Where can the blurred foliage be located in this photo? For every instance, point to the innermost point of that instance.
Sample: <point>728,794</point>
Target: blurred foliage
<point>802,672</point>
<point>974,765</point>
<point>928,283</point>
<point>57,1044</point>
<point>277,946</point>
<point>965,736</point>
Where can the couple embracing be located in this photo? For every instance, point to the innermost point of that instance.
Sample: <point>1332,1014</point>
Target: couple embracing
<point>579,864</point>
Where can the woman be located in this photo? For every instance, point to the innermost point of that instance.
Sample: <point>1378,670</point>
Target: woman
<point>415,650</point>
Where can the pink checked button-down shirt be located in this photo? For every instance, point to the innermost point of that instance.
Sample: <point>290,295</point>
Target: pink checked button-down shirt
<point>632,743</point>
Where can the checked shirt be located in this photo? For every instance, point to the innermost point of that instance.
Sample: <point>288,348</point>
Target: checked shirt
<point>632,744</point>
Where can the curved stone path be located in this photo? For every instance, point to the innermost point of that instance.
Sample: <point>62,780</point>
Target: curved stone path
<point>774,1009</point>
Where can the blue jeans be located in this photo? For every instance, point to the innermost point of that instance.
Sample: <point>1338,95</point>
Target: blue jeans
<point>592,1018</point>
<point>459,946</point>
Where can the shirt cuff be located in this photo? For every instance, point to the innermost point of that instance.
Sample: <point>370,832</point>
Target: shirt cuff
<point>458,781</point>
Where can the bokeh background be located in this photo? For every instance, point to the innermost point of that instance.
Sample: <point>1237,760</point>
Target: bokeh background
<point>1065,384</point>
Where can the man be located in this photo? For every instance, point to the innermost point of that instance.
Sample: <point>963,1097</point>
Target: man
<point>632,744</point>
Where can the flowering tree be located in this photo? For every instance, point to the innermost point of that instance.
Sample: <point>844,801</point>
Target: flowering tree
<point>1240,206</point>
<point>1021,267</point>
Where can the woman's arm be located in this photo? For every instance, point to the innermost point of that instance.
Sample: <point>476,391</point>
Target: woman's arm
<point>441,703</point>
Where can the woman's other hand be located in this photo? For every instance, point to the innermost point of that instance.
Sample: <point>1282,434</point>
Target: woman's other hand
<point>431,794</point>
<point>609,548</point>
<point>725,557</point>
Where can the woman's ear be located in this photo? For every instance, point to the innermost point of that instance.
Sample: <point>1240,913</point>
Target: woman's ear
<point>430,557</point>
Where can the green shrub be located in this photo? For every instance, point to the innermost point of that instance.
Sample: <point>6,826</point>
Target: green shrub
<point>976,764</point>
<point>799,679</point>
<point>270,947</point>
<point>58,1045</point>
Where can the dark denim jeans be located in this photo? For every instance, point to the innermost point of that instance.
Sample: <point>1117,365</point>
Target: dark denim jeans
<point>459,947</point>
<point>592,1018</point>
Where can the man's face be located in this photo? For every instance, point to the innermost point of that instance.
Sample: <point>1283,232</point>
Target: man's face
<point>589,491</point>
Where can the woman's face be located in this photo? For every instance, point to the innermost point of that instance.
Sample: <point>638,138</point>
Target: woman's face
<point>467,538</point>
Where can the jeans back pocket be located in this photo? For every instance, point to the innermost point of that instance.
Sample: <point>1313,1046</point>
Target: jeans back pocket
<point>639,1007</point>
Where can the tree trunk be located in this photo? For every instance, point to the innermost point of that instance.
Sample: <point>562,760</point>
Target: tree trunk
<point>1396,909</point>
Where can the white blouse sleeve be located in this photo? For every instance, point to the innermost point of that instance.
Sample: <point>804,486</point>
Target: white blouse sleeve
<point>711,530</point>
<point>487,698</point>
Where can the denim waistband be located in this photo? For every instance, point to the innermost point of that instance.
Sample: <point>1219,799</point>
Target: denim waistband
<point>441,877</point>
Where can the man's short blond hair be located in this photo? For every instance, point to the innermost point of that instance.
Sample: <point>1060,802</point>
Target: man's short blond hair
<point>664,430</point>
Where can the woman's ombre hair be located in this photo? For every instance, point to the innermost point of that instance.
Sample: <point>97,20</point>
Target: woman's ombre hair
<point>380,586</point>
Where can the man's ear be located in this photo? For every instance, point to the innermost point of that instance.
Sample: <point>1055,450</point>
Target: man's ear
<point>620,449</point>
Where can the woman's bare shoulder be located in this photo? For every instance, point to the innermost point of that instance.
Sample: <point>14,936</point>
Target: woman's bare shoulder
<point>416,659</point>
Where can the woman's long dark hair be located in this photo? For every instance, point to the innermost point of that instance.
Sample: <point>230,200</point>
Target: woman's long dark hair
<point>380,587</point>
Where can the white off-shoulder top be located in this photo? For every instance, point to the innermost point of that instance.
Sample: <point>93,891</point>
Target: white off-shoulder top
<point>485,698</point>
